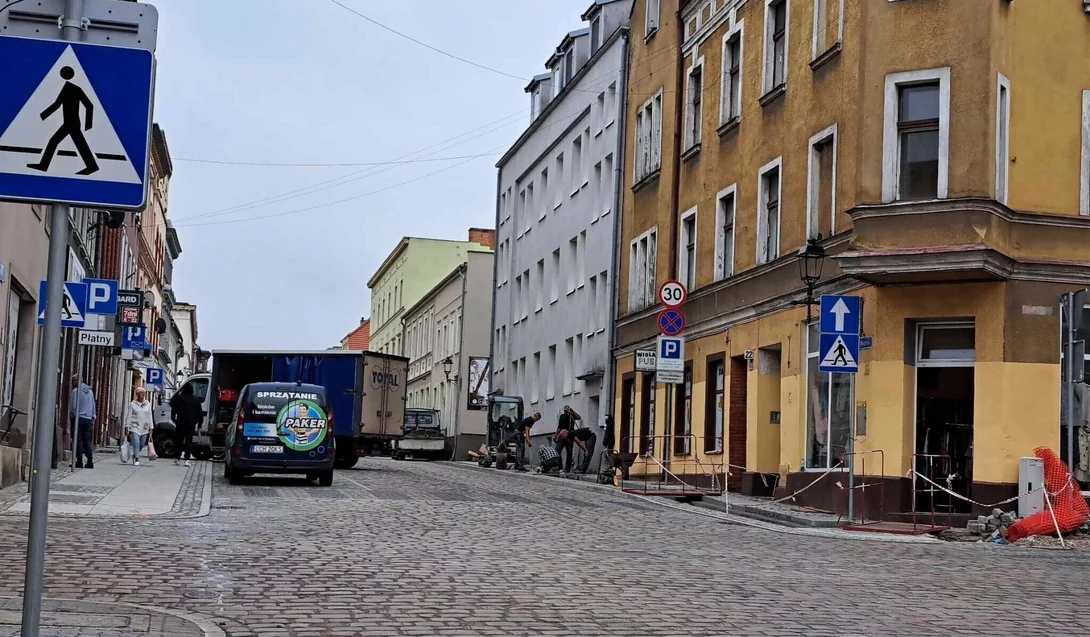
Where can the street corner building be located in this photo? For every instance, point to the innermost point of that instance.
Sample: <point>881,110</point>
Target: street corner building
<point>937,154</point>
<point>556,227</point>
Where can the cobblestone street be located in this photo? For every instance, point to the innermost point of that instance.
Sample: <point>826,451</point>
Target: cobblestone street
<point>434,549</point>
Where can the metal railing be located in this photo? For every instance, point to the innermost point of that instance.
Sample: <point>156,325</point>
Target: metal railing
<point>678,449</point>
<point>937,468</point>
<point>849,491</point>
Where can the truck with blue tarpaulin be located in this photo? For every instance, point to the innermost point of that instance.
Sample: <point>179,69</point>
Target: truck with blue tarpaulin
<point>366,392</point>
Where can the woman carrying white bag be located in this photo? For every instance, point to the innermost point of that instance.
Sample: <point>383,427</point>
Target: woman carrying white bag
<point>138,425</point>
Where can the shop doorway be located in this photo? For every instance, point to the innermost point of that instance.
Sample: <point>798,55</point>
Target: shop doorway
<point>945,378</point>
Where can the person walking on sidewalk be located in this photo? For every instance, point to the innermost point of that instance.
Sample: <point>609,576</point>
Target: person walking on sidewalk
<point>138,423</point>
<point>81,408</point>
<point>186,411</point>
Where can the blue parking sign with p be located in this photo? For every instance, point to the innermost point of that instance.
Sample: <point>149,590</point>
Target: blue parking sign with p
<point>154,376</point>
<point>101,296</point>
<point>669,348</point>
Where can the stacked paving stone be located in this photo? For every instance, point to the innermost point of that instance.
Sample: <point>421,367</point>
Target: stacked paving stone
<point>994,525</point>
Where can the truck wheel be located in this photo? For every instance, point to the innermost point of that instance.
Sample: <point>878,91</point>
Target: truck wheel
<point>345,459</point>
<point>166,445</point>
<point>325,479</point>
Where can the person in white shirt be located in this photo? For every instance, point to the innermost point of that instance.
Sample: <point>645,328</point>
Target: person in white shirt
<point>138,423</point>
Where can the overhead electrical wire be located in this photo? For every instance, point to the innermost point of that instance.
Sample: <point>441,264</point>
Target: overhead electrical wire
<point>226,162</point>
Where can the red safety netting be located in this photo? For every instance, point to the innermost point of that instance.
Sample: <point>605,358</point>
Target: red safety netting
<point>1066,497</point>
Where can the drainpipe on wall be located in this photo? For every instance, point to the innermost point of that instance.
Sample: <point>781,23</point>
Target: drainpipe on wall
<point>495,279</point>
<point>464,270</point>
<point>675,177</point>
<point>618,203</point>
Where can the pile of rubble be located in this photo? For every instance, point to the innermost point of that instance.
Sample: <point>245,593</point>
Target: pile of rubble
<point>994,525</point>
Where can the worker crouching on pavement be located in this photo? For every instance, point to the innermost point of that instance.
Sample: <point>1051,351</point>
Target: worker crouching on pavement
<point>549,458</point>
<point>583,438</point>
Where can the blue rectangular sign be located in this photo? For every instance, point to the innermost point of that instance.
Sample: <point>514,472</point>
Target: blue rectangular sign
<point>259,430</point>
<point>101,296</point>
<point>839,353</point>
<point>75,123</point>
<point>134,337</point>
<point>153,376</point>
<point>841,314</point>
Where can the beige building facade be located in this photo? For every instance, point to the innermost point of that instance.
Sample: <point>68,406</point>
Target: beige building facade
<point>446,339</point>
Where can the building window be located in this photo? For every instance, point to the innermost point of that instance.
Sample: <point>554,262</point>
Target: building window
<point>569,353</point>
<point>1002,138</point>
<point>535,383</point>
<point>518,299</point>
<point>607,184</point>
<point>768,212</point>
<point>540,300</point>
<point>628,414</point>
<point>599,193</point>
<point>550,363</point>
<point>569,65</point>
<point>559,177</point>
<point>600,117</point>
<point>528,213</point>
<point>652,24</point>
<point>611,105</point>
<point>687,249</point>
<point>724,240</point>
<point>713,417</point>
<point>605,307</point>
<point>573,263</point>
<point>647,415</point>
<point>581,259</point>
<point>684,417</point>
<point>730,103</point>
<point>828,26</point>
<point>576,164</point>
<point>545,203</point>
<point>554,280</point>
<point>595,34</point>
<point>592,313</point>
<point>577,362</point>
<point>775,75</point>
<point>642,271</point>
<point>520,214</point>
<point>694,111</point>
<point>916,142</point>
<point>1085,181</point>
<point>821,184</point>
<point>648,158</point>
<point>828,409</point>
<point>526,294</point>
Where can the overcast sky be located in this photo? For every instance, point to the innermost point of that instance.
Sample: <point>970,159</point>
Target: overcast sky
<point>307,82</point>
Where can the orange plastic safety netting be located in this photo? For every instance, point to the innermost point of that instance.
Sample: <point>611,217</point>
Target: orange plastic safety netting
<point>1067,502</point>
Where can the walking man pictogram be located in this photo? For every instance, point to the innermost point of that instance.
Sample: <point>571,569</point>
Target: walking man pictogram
<point>841,354</point>
<point>69,101</point>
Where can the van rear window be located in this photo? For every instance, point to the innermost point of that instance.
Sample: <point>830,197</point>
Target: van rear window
<point>266,406</point>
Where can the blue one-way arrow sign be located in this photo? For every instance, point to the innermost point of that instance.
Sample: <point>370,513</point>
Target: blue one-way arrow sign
<point>840,314</point>
<point>75,120</point>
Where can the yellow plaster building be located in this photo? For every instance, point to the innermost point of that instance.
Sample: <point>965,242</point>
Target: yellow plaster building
<point>938,151</point>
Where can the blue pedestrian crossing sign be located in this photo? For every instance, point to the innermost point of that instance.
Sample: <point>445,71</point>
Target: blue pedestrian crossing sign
<point>839,353</point>
<point>75,123</point>
<point>73,304</point>
<point>154,376</point>
<point>841,314</point>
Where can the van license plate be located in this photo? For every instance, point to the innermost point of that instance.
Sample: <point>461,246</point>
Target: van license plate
<point>266,449</point>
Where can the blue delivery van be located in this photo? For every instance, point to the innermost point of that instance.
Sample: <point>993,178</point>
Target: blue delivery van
<point>281,428</point>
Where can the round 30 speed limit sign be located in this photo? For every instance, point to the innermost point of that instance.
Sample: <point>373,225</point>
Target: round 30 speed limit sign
<point>673,294</point>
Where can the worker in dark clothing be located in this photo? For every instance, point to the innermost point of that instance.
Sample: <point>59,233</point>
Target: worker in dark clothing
<point>525,427</point>
<point>186,410</point>
<point>586,440</point>
<point>566,422</point>
<point>609,438</point>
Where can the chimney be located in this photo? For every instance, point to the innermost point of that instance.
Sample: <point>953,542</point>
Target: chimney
<point>486,238</point>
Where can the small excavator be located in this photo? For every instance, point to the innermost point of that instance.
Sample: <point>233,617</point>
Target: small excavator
<point>504,415</point>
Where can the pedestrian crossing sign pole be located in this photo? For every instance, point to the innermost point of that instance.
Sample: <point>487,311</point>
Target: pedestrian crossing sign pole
<point>841,321</point>
<point>75,129</point>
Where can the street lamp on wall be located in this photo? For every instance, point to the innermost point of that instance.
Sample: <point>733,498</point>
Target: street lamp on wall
<point>811,261</point>
<point>448,364</point>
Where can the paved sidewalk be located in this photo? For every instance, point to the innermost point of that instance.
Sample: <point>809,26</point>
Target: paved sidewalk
<point>156,489</point>
<point>67,618</point>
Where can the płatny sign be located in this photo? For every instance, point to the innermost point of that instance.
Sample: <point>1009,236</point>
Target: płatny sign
<point>646,360</point>
<point>96,339</point>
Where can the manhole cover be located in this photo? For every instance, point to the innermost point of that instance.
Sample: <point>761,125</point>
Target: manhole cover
<point>226,507</point>
<point>259,492</point>
<point>200,594</point>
